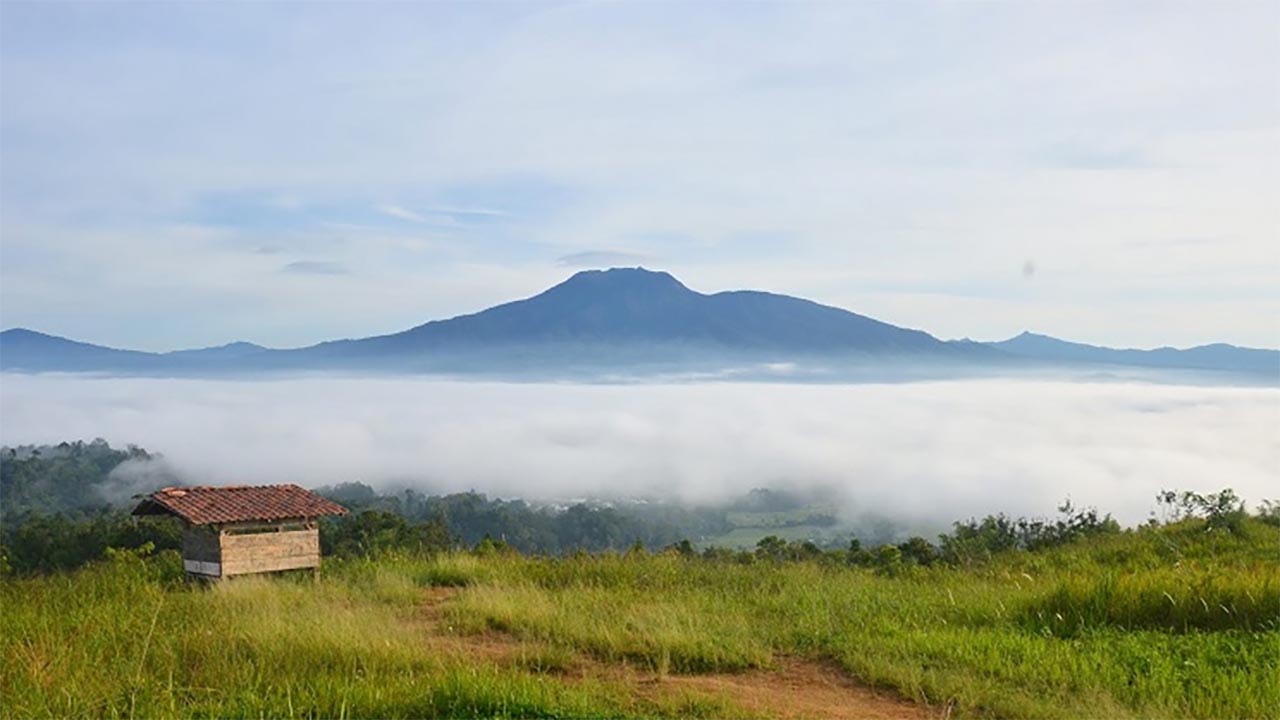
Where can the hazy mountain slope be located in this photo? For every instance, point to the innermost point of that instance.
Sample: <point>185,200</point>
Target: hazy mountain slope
<point>28,350</point>
<point>230,350</point>
<point>1218,356</point>
<point>22,349</point>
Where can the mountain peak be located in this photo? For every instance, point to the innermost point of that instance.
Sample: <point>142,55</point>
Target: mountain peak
<point>628,276</point>
<point>25,332</point>
<point>618,283</point>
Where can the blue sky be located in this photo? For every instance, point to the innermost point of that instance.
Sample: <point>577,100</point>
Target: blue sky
<point>188,174</point>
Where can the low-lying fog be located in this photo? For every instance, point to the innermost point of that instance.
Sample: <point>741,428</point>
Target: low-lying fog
<point>922,453</point>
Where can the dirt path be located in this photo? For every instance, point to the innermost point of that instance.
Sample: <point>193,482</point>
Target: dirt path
<point>799,688</point>
<point>794,688</point>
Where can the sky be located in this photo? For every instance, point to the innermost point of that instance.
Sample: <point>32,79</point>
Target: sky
<point>189,174</point>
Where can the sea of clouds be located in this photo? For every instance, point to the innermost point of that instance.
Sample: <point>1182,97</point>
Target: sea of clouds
<point>921,453</point>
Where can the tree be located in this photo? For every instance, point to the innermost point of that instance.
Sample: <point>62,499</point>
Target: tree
<point>772,547</point>
<point>918,551</point>
<point>1223,510</point>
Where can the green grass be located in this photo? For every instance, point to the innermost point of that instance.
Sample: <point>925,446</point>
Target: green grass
<point>1167,622</point>
<point>118,639</point>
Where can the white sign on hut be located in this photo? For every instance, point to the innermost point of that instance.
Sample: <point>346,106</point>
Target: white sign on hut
<point>244,529</point>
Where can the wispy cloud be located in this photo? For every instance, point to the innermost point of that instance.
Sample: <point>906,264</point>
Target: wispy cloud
<point>401,213</point>
<point>1094,155</point>
<point>314,267</point>
<point>603,258</point>
<point>472,211</point>
<point>440,214</point>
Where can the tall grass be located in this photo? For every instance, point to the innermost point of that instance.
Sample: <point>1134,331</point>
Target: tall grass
<point>1109,626</point>
<point>1162,622</point>
<point>1172,599</point>
<point>125,639</point>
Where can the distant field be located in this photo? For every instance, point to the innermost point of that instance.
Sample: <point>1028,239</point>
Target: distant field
<point>817,523</point>
<point>1161,622</point>
<point>816,515</point>
<point>747,537</point>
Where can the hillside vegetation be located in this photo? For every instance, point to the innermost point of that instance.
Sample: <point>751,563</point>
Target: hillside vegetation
<point>1173,620</point>
<point>63,505</point>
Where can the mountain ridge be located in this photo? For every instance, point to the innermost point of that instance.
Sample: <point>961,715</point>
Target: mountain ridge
<point>1219,356</point>
<point>620,318</point>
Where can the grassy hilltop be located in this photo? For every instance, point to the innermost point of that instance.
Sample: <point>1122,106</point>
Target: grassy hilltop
<point>1178,620</point>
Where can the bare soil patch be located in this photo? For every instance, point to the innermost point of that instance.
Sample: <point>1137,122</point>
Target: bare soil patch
<point>793,689</point>
<point>800,688</point>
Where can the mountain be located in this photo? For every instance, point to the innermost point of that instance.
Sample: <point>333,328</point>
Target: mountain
<point>1218,356</point>
<point>626,306</point>
<point>28,350</point>
<point>626,321</point>
<point>230,350</point>
<point>31,351</point>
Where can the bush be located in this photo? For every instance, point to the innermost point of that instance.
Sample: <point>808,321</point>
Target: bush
<point>975,541</point>
<point>374,532</point>
<point>46,543</point>
<point>1269,512</point>
<point>888,560</point>
<point>918,551</point>
<point>1223,510</point>
<point>857,555</point>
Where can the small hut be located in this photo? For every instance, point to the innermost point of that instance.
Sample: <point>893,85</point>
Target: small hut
<point>244,529</point>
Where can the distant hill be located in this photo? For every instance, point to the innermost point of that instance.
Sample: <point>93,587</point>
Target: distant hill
<point>22,349</point>
<point>622,320</point>
<point>30,351</point>
<point>1218,356</point>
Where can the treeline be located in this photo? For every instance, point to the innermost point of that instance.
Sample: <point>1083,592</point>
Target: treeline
<point>60,505</point>
<point>384,521</point>
<point>49,543</point>
<point>70,477</point>
<point>44,543</point>
<point>63,505</point>
<point>35,542</point>
<point>969,542</point>
<point>974,541</point>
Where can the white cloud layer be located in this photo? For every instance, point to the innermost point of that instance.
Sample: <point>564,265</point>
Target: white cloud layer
<point>921,453</point>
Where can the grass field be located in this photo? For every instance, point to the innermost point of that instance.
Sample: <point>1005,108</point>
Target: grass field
<point>813,522</point>
<point>747,537</point>
<point>1161,622</point>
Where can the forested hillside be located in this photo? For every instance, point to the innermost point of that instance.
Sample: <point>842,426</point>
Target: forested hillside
<point>64,505</point>
<point>70,477</point>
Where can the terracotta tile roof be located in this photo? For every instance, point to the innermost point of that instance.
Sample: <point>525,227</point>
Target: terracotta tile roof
<point>203,505</point>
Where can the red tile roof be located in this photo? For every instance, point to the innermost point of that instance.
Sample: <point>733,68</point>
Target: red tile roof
<point>203,505</point>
